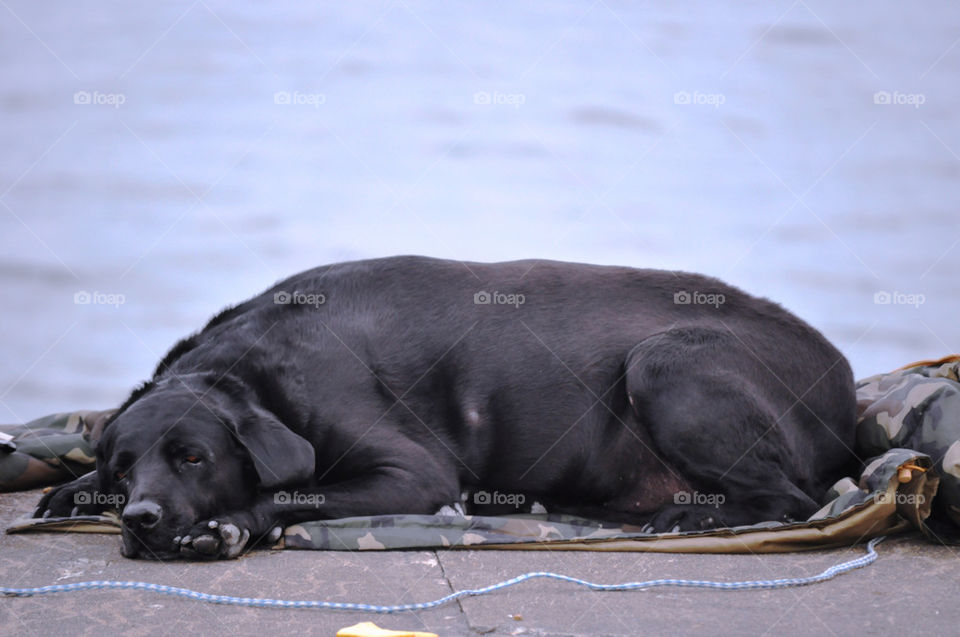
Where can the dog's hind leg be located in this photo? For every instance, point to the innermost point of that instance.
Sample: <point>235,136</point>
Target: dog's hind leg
<point>694,390</point>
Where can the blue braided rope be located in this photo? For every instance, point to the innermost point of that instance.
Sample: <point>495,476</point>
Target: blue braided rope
<point>828,574</point>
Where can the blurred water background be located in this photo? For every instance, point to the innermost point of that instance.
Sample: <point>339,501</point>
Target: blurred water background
<point>166,159</point>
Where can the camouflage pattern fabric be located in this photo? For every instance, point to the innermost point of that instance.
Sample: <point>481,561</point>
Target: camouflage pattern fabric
<point>48,450</point>
<point>879,505</point>
<point>908,419</point>
<point>917,407</point>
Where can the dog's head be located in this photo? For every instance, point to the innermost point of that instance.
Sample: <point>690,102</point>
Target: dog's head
<point>188,449</point>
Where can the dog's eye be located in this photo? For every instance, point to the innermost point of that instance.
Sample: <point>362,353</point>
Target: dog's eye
<point>192,459</point>
<point>119,475</point>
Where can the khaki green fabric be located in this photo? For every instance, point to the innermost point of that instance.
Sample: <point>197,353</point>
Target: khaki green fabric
<point>917,407</point>
<point>49,449</point>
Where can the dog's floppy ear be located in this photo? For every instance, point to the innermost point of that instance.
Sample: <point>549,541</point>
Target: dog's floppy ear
<point>279,455</point>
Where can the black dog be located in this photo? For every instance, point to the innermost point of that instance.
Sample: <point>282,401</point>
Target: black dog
<point>392,385</point>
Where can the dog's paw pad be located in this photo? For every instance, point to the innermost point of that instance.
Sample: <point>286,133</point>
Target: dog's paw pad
<point>206,545</point>
<point>212,539</point>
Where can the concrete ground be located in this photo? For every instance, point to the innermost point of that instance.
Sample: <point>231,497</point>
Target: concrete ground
<point>913,584</point>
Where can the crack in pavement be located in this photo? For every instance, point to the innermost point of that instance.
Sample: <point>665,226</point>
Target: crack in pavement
<point>463,612</point>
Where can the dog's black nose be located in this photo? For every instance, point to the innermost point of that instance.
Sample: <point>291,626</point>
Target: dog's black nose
<point>142,515</point>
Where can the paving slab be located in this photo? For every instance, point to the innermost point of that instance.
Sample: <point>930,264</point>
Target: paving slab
<point>913,584</point>
<point>36,559</point>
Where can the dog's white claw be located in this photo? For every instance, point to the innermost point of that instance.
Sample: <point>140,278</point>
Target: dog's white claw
<point>275,534</point>
<point>675,529</point>
<point>75,511</point>
<point>46,514</point>
<point>212,524</point>
<point>230,533</point>
<point>647,528</point>
<point>186,539</point>
<point>233,550</point>
<point>176,540</point>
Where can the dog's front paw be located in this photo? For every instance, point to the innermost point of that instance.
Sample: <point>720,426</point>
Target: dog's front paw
<point>214,539</point>
<point>79,497</point>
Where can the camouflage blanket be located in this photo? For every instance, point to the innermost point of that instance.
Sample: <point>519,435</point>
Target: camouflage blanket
<point>909,424</point>
<point>48,450</point>
<point>916,407</point>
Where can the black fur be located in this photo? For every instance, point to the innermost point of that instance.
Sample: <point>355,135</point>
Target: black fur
<point>593,389</point>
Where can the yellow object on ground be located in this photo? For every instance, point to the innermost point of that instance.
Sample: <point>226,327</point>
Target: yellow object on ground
<point>369,629</point>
